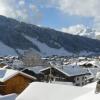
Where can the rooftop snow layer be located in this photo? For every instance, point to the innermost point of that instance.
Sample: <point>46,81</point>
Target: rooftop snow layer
<point>70,70</point>
<point>6,74</point>
<point>36,69</point>
<point>74,70</point>
<point>47,91</point>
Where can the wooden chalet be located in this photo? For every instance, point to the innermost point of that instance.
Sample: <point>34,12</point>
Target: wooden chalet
<point>73,74</point>
<point>35,71</point>
<point>12,81</point>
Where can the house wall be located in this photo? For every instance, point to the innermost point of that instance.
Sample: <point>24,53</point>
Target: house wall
<point>80,80</point>
<point>15,85</point>
<point>57,76</point>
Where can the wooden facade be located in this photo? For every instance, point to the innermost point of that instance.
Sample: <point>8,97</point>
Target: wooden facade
<point>58,75</point>
<point>39,76</point>
<point>16,84</point>
<point>54,74</point>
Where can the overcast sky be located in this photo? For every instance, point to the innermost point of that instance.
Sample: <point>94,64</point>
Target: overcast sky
<point>54,13</point>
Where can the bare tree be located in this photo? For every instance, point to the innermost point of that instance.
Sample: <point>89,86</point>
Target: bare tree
<point>31,58</point>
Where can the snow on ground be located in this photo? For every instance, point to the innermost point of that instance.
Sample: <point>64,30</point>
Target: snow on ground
<point>5,50</point>
<point>64,83</point>
<point>47,91</point>
<point>90,95</point>
<point>90,85</point>
<point>47,51</point>
<point>8,97</point>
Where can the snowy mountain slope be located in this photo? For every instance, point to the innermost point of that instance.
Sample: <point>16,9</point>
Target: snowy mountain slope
<point>18,36</point>
<point>5,50</point>
<point>46,50</point>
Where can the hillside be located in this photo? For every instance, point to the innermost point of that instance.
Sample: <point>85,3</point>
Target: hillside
<point>17,36</point>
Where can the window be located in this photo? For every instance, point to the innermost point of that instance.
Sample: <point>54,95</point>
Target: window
<point>77,78</point>
<point>83,83</point>
<point>77,84</point>
<point>82,78</point>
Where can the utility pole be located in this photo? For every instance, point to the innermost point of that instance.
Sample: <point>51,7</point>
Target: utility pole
<point>50,75</point>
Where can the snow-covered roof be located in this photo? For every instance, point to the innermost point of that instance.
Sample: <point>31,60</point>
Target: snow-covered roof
<point>47,91</point>
<point>36,69</point>
<point>98,76</point>
<point>74,70</point>
<point>70,70</point>
<point>6,74</point>
<point>8,97</point>
<point>82,62</point>
<point>93,62</point>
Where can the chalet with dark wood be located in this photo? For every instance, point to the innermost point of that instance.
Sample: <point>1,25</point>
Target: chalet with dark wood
<point>69,73</point>
<point>12,81</point>
<point>35,71</point>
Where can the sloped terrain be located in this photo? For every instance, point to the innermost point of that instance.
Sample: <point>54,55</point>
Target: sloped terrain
<point>14,35</point>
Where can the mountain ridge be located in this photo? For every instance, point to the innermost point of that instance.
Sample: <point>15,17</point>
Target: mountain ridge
<point>13,34</point>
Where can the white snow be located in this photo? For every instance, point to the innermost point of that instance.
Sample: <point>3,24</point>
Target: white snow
<point>5,50</point>
<point>47,91</point>
<point>64,83</point>
<point>90,85</point>
<point>8,97</point>
<point>17,64</point>
<point>93,62</point>
<point>5,74</point>
<point>89,96</point>
<point>46,50</point>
